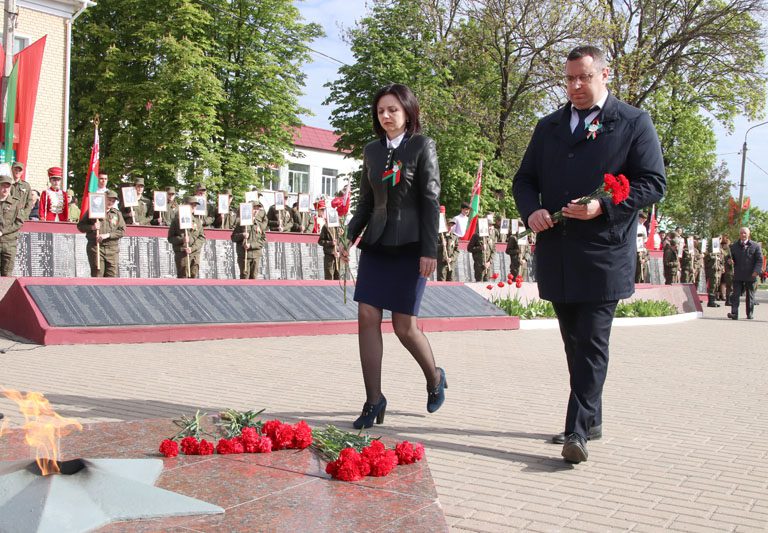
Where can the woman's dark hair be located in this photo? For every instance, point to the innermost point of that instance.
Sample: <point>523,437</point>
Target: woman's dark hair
<point>409,102</point>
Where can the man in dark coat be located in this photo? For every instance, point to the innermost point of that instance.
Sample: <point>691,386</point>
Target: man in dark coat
<point>586,263</point>
<point>747,263</point>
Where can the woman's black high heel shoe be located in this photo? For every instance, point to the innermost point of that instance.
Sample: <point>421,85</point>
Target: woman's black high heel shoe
<point>436,396</point>
<point>370,412</point>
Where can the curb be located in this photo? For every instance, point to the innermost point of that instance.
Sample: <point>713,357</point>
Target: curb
<point>551,323</point>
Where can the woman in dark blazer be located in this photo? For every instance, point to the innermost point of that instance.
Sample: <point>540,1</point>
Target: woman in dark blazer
<point>399,209</point>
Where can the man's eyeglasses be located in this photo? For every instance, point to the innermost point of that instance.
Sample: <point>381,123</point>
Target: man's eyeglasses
<point>581,78</point>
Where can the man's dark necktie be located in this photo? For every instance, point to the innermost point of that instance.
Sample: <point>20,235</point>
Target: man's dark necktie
<point>578,131</point>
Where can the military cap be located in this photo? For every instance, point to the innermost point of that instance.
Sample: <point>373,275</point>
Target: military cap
<point>55,172</point>
<point>18,164</point>
<point>111,194</point>
<point>171,190</point>
<point>200,187</point>
<point>138,181</point>
<point>6,179</point>
<point>190,200</point>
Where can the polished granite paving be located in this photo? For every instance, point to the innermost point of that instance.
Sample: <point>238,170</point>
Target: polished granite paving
<point>287,490</point>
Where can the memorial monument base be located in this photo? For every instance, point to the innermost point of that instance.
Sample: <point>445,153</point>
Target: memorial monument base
<point>125,310</point>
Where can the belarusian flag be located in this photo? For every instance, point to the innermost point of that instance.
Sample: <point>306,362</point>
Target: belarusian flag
<point>10,112</point>
<point>91,180</point>
<point>474,203</point>
<point>650,243</point>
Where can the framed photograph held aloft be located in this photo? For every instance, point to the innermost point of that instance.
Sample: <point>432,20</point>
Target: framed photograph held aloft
<point>160,201</point>
<point>97,205</point>
<point>185,216</point>
<point>246,214</point>
<point>130,199</point>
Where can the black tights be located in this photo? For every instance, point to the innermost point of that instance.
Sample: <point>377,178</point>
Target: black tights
<point>372,348</point>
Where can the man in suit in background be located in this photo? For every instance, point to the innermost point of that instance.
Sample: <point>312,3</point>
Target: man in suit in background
<point>586,262</point>
<point>747,264</point>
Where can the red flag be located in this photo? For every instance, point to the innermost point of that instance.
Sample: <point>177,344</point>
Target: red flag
<point>474,203</point>
<point>650,244</point>
<point>91,180</point>
<point>341,203</point>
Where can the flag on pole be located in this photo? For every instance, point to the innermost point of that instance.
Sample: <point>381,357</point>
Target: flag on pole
<point>474,203</point>
<point>91,180</point>
<point>10,113</point>
<point>650,243</point>
<point>341,203</point>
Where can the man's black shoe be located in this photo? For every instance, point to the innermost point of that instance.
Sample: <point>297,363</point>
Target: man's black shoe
<point>732,316</point>
<point>713,304</point>
<point>574,449</point>
<point>595,433</point>
<point>750,317</point>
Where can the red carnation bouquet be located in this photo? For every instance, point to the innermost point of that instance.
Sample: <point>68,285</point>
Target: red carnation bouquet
<point>614,187</point>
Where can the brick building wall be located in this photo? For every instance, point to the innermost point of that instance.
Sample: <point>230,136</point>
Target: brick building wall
<point>46,147</point>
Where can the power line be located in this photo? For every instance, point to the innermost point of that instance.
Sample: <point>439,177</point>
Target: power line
<point>758,166</point>
<point>256,28</point>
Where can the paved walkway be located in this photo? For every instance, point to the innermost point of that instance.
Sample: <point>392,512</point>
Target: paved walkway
<point>686,405</point>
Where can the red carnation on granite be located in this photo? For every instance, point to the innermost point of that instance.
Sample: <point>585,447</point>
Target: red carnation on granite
<point>350,466</point>
<point>519,281</point>
<point>380,460</point>
<point>269,429</point>
<point>408,453</point>
<point>204,447</point>
<point>169,448</point>
<point>263,444</point>
<point>500,284</point>
<point>489,287</point>
<point>302,435</point>
<point>229,446</point>
<point>249,437</point>
<point>495,275</point>
<point>190,446</point>
<point>283,437</point>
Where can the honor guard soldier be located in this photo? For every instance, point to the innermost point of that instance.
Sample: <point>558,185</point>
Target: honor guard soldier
<point>187,244</point>
<point>671,262</point>
<point>280,219</point>
<point>11,220</point>
<point>54,204</point>
<point>226,220</point>
<point>329,240</point>
<point>249,242</point>
<point>482,251</point>
<point>21,189</point>
<point>141,214</point>
<point>447,253</point>
<point>103,237</point>
<point>713,270</point>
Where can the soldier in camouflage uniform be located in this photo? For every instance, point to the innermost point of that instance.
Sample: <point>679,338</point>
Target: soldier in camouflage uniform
<point>300,222</point>
<point>187,243</point>
<point>447,253</point>
<point>482,251</point>
<point>687,263</point>
<point>726,281</point>
<point>329,240</point>
<point>698,261</point>
<point>671,262</point>
<point>280,219</point>
<point>249,242</point>
<point>141,214</point>
<point>106,233</point>
<point>713,270</point>
<point>11,220</point>
<point>516,255</point>
<point>227,220</point>
<point>22,190</point>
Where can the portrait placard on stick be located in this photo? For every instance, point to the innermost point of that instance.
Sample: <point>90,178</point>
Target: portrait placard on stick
<point>504,226</point>
<point>252,196</point>
<point>130,199</point>
<point>703,246</point>
<point>304,203</point>
<point>640,243</point>
<point>482,227</point>
<point>279,201</point>
<point>442,225</point>
<point>185,216</point>
<point>246,214</point>
<point>715,244</point>
<point>690,244</point>
<point>160,201</point>
<point>97,207</point>
<point>332,217</point>
<point>223,204</point>
<point>201,207</point>
<point>514,226</point>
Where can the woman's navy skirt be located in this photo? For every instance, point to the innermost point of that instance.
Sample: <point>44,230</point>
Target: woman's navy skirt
<point>390,281</point>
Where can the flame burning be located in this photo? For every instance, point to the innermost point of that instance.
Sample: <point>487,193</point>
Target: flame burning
<point>43,428</point>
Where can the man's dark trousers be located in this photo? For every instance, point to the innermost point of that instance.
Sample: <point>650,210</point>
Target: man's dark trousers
<point>740,287</point>
<point>586,331</point>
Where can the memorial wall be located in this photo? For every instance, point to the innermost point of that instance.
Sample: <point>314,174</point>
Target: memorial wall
<point>58,250</point>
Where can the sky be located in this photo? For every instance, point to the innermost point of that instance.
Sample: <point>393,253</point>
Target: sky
<point>336,15</point>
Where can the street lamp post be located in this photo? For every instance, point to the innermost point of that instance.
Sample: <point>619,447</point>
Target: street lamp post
<point>743,164</point>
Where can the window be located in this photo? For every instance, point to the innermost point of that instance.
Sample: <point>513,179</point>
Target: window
<point>19,43</point>
<point>298,178</point>
<point>330,182</point>
<point>268,179</point>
